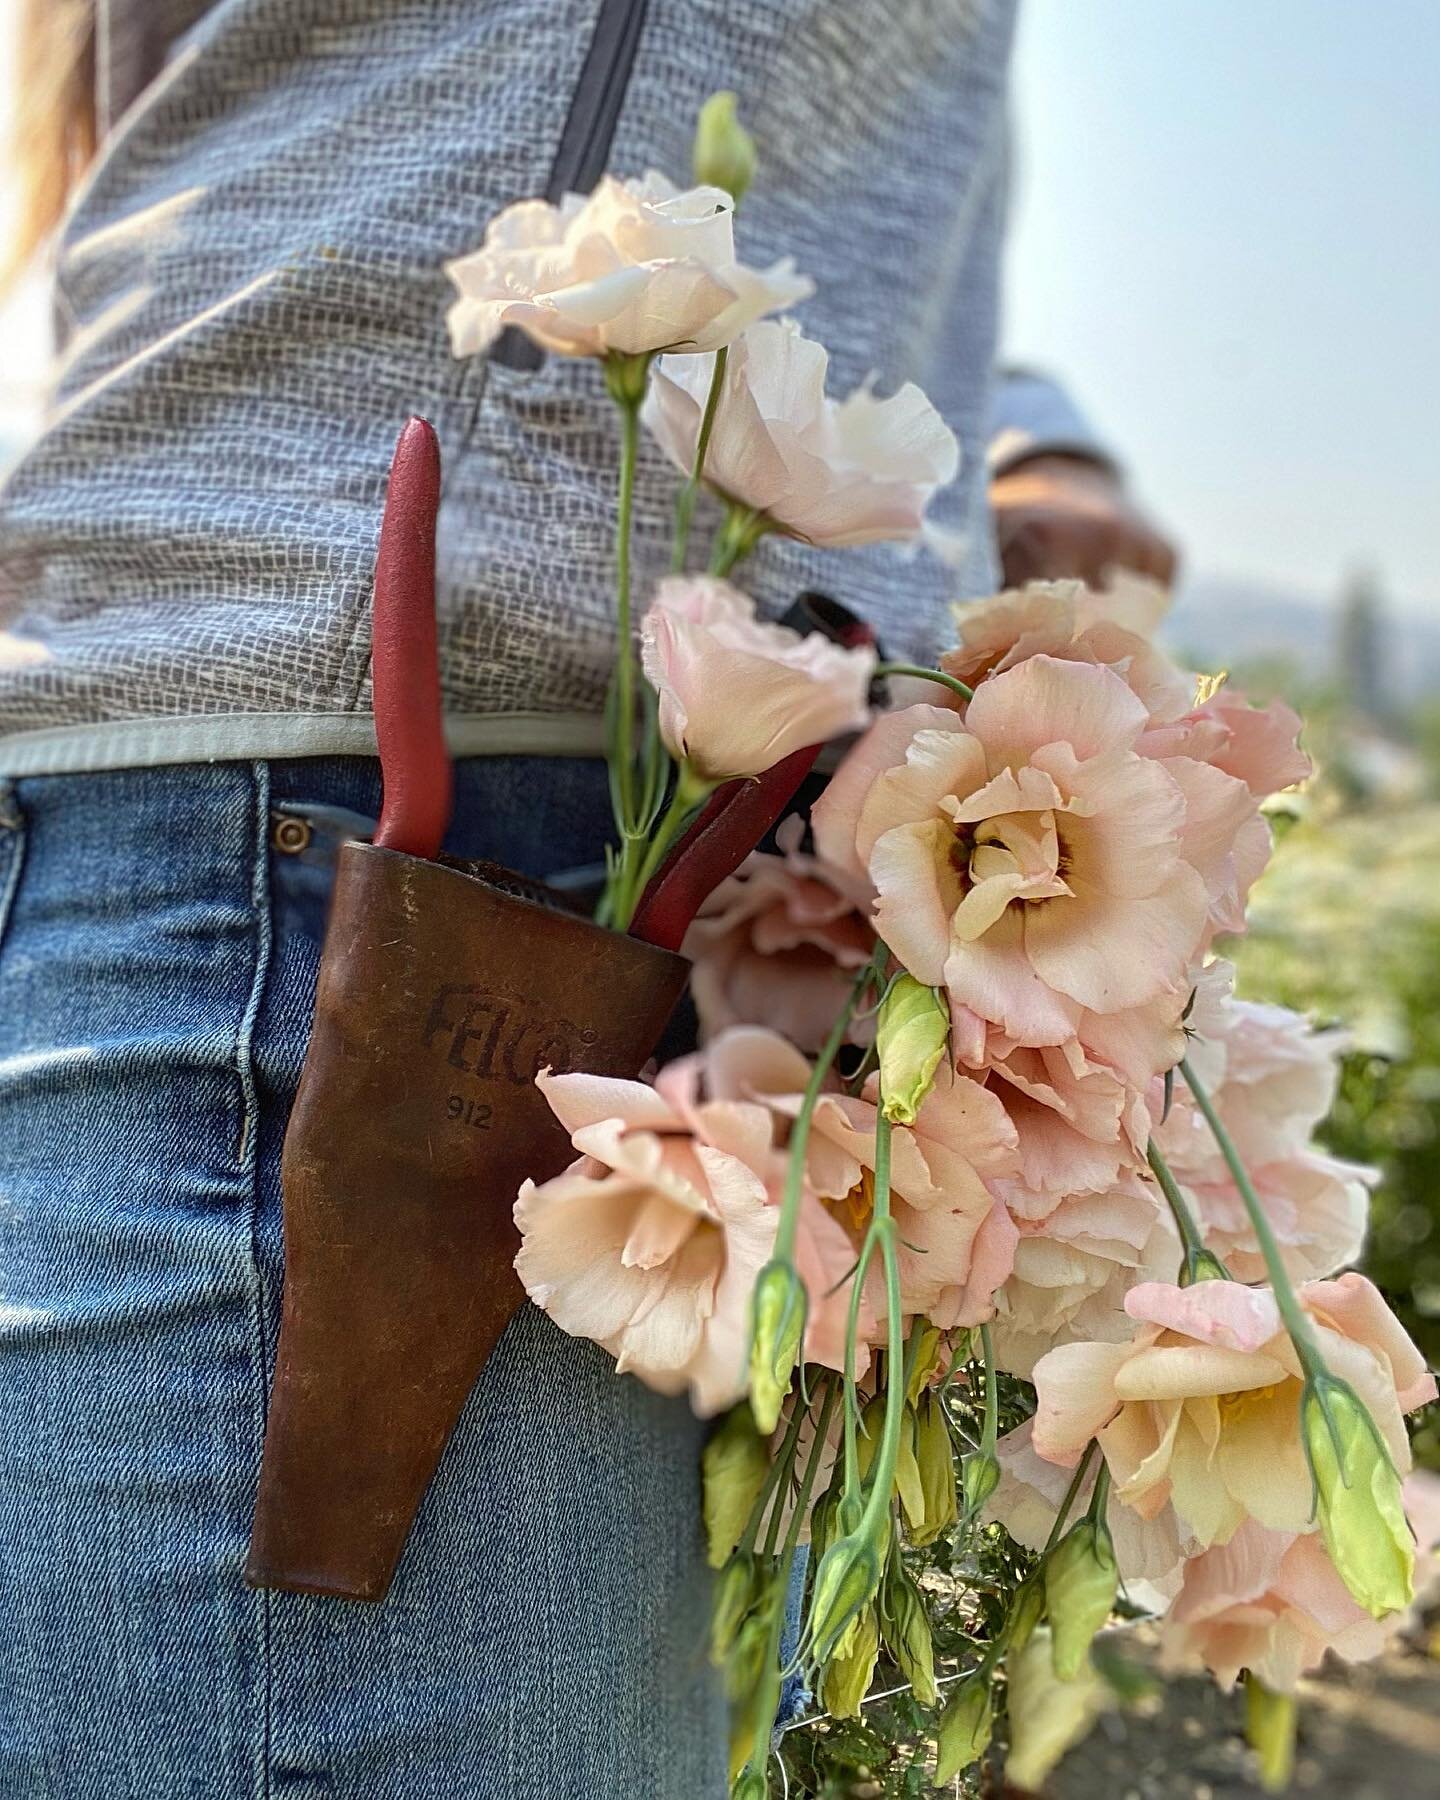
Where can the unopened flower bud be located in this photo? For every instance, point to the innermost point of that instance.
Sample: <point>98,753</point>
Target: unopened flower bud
<point>1270,1732</point>
<point>1202,1265</point>
<point>1027,1609</point>
<point>911,1032</point>
<point>849,1671</point>
<point>905,1626</point>
<point>752,1785</point>
<point>1357,1492</point>
<point>735,1464</point>
<point>965,1729</point>
<point>935,1459</point>
<point>1081,1578</point>
<point>733,1597</point>
<point>907,1483</point>
<point>845,1584</point>
<point>1047,1715</point>
<point>927,1350</point>
<point>981,1478</point>
<point>777,1329</point>
<point>724,154</point>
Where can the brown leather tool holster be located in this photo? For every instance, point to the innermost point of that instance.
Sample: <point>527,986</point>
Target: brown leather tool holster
<point>417,1118</point>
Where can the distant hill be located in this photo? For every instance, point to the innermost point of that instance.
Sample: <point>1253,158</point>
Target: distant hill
<point>1227,622</point>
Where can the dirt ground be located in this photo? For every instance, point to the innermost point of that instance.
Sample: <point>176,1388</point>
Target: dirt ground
<point>1369,1733</point>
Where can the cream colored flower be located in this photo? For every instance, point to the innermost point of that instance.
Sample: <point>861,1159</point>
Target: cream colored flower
<point>738,695</point>
<point>832,472</point>
<point>1201,1410</point>
<point>634,268</point>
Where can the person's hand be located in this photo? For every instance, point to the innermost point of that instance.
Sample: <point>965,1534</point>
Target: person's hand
<point>1063,517</point>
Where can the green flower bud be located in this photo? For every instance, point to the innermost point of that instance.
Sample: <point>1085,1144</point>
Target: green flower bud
<point>981,1478</point>
<point>1027,1609</point>
<point>1357,1492</point>
<point>735,1464</point>
<point>965,1729</point>
<point>724,154</point>
<point>911,1033</point>
<point>927,1351</point>
<point>1047,1715</point>
<point>935,1459</point>
<point>734,1595</point>
<point>905,1626</point>
<point>908,1486</point>
<point>845,1584</point>
<point>777,1329</point>
<point>752,1785</point>
<point>1270,1732</point>
<point>850,1670</point>
<point>1080,1583</point>
<point>747,1664</point>
<point>1202,1265</point>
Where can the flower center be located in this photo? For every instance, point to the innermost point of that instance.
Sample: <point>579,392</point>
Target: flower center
<point>855,1209</point>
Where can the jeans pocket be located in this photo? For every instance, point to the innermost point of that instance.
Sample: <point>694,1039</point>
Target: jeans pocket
<point>12,852</point>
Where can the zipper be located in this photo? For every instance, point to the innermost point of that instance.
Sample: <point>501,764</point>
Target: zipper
<point>585,139</point>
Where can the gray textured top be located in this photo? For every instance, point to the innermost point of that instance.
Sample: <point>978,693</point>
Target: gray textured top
<point>252,299</point>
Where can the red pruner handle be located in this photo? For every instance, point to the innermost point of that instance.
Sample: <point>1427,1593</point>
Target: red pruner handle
<point>414,763</point>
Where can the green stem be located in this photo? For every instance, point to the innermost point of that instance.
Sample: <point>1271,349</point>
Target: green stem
<point>625,654</point>
<point>773,1477</point>
<point>882,1227</point>
<point>737,537</point>
<point>1296,1321</point>
<point>637,870</point>
<point>685,500</point>
<point>1077,1481</point>
<point>1100,1495</point>
<point>955,685</point>
<point>800,1131</point>
<point>992,1396</point>
<point>1191,1240</point>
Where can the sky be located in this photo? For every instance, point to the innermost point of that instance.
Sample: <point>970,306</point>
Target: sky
<point>1227,242</point>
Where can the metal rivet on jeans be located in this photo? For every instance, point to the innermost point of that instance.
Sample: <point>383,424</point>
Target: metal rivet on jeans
<point>290,835</point>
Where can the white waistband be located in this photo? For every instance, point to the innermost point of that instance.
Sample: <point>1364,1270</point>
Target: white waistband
<point>261,737</point>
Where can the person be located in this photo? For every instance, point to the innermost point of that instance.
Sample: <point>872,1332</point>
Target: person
<point>251,299</point>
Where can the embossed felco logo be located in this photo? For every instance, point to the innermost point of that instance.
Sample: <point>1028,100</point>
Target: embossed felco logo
<point>489,1033</point>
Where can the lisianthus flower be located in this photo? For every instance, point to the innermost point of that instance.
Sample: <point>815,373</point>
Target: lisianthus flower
<point>1201,1409</point>
<point>956,1240</point>
<point>1025,857</point>
<point>738,695</point>
<point>832,472</point>
<point>778,944</point>
<point>633,268</point>
<point>1258,745</point>
<point>1080,1126</point>
<point>1031,1491</point>
<point>1073,1268</point>
<point>1272,1080</point>
<point>1270,1602</point>
<point>1112,628</point>
<point>650,1243</point>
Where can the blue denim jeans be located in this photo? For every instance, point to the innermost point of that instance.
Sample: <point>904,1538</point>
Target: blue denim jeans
<point>545,1634</point>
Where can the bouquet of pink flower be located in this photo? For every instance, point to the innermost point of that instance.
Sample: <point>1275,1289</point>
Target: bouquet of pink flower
<point>973,1097</point>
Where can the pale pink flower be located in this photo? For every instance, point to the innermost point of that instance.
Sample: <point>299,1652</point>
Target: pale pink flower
<point>1111,627</point>
<point>1257,745</point>
<point>1080,1125</point>
<point>1201,1409</point>
<point>1272,1080</point>
<point>634,267</point>
<point>1026,857</point>
<point>1031,1491</point>
<point>779,944</point>
<point>738,695</point>
<point>1073,1268</point>
<point>832,472</point>
<point>956,1240</point>
<point>650,1243</point>
<point>1270,1602</point>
